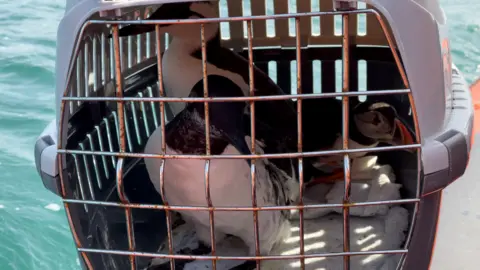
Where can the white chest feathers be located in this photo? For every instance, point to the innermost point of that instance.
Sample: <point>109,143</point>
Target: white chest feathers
<point>182,71</point>
<point>230,186</point>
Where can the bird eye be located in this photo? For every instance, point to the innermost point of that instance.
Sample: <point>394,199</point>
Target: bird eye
<point>376,119</point>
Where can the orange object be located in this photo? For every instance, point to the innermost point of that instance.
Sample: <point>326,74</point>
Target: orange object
<point>338,175</point>
<point>475,91</point>
<point>407,137</point>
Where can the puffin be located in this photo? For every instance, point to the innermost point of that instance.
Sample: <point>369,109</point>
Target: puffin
<point>230,181</point>
<point>371,124</point>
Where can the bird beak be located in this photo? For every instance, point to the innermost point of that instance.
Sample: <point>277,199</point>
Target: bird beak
<point>239,143</point>
<point>402,135</point>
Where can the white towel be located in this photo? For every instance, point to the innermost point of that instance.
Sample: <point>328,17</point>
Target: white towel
<point>370,182</point>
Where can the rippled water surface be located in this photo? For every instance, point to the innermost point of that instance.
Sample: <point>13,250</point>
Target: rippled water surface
<point>33,228</point>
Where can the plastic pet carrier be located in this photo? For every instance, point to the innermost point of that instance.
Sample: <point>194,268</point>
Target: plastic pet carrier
<point>378,210</point>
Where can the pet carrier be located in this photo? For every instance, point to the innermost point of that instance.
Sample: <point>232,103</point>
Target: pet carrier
<point>380,212</point>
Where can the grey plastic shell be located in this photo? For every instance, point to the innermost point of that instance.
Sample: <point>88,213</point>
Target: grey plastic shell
<point>456,142</point>
<point>51,182</point>
<point>455,139</point>
<point>421,51</point>
<point>45,153</point>
<point>423,238</point>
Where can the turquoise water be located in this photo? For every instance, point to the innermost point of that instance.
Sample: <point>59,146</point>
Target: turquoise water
<point>33,228</point>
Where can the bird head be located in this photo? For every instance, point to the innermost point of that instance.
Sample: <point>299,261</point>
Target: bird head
<point>179,11</point>
<point>381,122</point>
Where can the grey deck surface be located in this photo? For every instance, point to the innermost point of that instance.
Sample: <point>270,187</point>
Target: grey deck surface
<point>458,238</point>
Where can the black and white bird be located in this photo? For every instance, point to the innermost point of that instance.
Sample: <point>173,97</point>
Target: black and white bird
<point>230,181</point>
<point>275,121</point>
<point>370,124</point>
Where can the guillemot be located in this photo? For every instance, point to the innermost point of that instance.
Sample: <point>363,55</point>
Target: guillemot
<point>182,69</point>
<point>275,121</point>
<point>230,183</point>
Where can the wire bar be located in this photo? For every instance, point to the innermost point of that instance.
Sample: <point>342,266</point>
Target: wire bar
<point>234,19</point>
<point>252,156</point>
<point>258,208</point>
<point>161,89</point>
<point>242,258</point>
<point>211,214</point>
<point>300,139</point>
<point>346,137</point>
<point>240,99</point>
<point>122,141</point>
<point>418,136</point>
<point>253,141</point>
